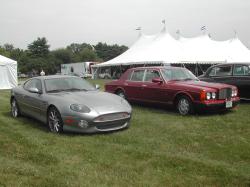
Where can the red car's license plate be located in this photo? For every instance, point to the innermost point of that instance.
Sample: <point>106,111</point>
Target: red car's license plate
<point>229,104</point>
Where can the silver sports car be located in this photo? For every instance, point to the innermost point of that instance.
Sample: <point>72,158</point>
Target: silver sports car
<point>68,103</point>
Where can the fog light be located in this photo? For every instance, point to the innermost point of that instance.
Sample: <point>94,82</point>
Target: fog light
<point>83,124</point>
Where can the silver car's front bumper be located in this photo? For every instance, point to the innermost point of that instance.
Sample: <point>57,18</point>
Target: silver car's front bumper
<point>76,125</point>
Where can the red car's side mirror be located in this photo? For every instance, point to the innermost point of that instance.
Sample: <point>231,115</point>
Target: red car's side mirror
<point>157,80</point>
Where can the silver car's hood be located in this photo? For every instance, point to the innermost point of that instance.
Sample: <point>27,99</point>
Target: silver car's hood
<point>101,102</point>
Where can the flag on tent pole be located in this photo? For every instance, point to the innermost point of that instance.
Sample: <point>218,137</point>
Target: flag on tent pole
<point>139,29</point>
<point>235,33</point>
<point>203,28</point>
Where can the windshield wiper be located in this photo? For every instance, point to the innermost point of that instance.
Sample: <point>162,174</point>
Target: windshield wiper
<point>66,90</point>
<point>188,79</point>
<point>54,91</point>
<point>76,89</point>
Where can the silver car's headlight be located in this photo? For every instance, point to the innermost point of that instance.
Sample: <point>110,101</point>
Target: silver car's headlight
<point>80,108</point>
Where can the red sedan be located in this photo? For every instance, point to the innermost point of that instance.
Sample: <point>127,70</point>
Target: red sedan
<point>174,86</point>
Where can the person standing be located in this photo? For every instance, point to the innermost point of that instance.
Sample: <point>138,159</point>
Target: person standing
<point>42,73</point>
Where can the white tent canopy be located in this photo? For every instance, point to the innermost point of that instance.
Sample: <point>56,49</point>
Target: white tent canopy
<point>8,73</point>
<point>162,48</point>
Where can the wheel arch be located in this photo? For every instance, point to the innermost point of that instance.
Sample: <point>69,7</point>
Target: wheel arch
<point>11,98</point>
<point>119,89</point>
<point>50,106</point>
<point>180,94</point>
<point>47,112</point>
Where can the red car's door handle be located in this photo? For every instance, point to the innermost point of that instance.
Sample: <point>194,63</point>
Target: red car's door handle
<point>144,85</point>
<point>125,84</point>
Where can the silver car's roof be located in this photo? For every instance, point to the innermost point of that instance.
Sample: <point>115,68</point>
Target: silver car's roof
<point>53,77</point>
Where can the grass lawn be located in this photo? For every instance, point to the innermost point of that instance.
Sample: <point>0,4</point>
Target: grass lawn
<point>161,148</point>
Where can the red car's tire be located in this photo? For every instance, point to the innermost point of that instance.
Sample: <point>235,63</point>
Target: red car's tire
<point>121,94</point>
<point>184,105</point>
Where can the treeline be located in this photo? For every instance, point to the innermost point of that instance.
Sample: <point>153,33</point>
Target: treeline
<point>38,56</point>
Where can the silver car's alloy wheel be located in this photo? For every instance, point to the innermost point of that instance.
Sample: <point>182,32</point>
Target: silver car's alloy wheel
<point>121,94</point>
<point>54,120</point>
<point>184,106</point>
<point>14,108</point>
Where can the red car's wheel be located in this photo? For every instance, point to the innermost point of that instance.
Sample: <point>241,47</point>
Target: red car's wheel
<point>184,105</point>
<point>121,94</point>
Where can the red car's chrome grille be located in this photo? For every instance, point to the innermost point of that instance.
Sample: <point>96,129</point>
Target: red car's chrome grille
<point>225,93</point>
<point>112,117</point>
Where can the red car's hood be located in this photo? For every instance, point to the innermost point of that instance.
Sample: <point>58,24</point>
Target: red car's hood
<point>202,85</point>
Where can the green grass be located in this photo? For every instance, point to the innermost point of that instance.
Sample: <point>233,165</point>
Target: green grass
<point>161,148</point>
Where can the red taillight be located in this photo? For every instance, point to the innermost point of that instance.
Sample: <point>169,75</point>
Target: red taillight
<point>203,95</point>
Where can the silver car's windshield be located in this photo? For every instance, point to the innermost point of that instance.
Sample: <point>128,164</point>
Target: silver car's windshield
<point>67,84</point>
<point>178,74</point>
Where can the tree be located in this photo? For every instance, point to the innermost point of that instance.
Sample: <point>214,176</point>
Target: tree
<point>39,48</point>
<point>108,52</point>
<point>77,48</point>
<point>8,47</point>
<point>64,55</point>
<point>87,55</point>
<point>4,52</point>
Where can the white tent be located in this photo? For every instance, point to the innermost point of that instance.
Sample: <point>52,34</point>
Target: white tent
<point>202,49</point>
<point>162,48</point>
<point>149,49</point>
<point>8,73</point>
<point>237,51</point>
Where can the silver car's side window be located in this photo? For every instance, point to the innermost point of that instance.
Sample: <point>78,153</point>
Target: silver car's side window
<point>33,83</point>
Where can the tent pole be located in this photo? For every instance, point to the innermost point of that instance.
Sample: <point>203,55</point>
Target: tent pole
<point>196,69</point>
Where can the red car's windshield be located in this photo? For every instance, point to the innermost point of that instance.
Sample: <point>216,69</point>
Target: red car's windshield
<point>178,74</point>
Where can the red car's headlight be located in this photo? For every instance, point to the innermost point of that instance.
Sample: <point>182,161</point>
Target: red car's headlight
<point>207,95</point>
<point>234,92</point>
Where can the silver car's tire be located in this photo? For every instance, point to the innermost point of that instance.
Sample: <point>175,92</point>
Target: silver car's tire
<point>15,112</point>
<point>184,106</point>
<point>121,94</point>
<point>54,120</point>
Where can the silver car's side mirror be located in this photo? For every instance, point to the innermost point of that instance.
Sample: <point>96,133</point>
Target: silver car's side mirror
<point>97,86</point>
<point>34,90</point>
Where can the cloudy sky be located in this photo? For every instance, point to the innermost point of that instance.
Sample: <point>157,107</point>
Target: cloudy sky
<point>63,22</point>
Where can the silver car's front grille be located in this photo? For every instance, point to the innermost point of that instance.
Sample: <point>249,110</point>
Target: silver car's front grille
<point>225,93</point>
<point>110,126</point>
<point>112,117</point>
